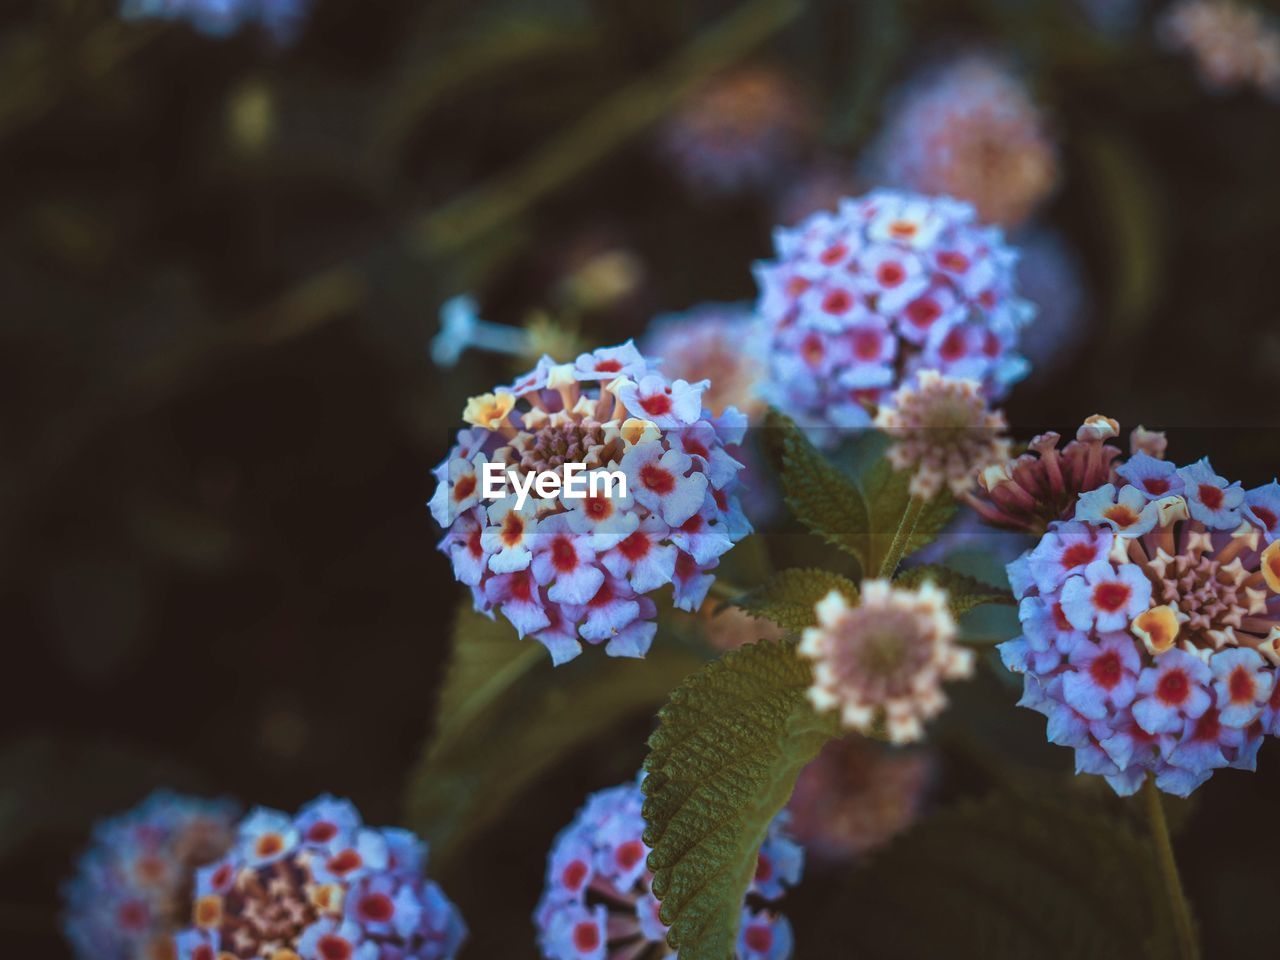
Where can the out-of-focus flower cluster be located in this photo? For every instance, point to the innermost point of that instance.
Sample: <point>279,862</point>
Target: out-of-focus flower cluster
<point>1234,45</point>
<point>131,890</point>
<point>564,569</point>
<point>598,904</point>
<point>881,663</point>
<point>857,795</point>
<point>282,19</point>
<point>721,343</point>
<point>320,885</point>
<point>1043,484</point>
<point>942,430</point>
<point>1150,625</point>
<point>740,131</point>
<point>860,300</point>
<point>969,130</point>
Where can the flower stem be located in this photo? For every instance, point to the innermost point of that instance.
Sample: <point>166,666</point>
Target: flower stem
<point>901,537</point>
<point>1169,868</point>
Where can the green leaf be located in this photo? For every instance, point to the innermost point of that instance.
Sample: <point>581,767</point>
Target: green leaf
<point>963,591</point>
<point>1012,876</point>
<point>506,715</point>
<point>722,763</point>
<point>788,598</point>
<point>822,498</point>
<point>886,493</point>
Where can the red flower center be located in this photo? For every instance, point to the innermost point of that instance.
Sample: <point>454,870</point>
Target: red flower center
<point>377,908</point>
<point>1266,516</point>
<point>1156,485</point>
<point>812,350</point>
<point>1173,687</point>
<point>465,486</point>
<point>1106,670</point>
<point>955,262</point>
<point>952,347</point>
<point>758,939</point>
<point>656,405</point>
<point>1241,686</point>
<point>891,274</point>
<point>598,508</point>
<point>333,948</point>
<point>1121,515</point>
<point>764,868</point>
<point>574,874</point>
<point>1210,496</point>
<point>1111,596</point>
<point>635,546</point>
<point>866,344</point>
<point>1078,555</point>
<point>344,862</point>
<point>657,479</point>
<point>833,254</point>
<point>521,588</point>
<point>563,555</point>
<point>608,366</point>
<point>269,844</point>
<point>586,936</point>
<point>921,313</point>
<point>629,854</point>
<point>837,301</point>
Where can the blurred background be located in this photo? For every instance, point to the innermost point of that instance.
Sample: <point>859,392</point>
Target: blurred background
<point>224,246</point>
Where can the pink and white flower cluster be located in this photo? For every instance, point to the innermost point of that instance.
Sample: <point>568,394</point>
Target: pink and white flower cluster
<point>564,569</point>
<point>1150,625</point>
<point>598,903</point>
<point>860,299</point>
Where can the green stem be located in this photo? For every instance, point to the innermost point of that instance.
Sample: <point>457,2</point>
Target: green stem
<point>1169,868</point>
<point>901,537</point>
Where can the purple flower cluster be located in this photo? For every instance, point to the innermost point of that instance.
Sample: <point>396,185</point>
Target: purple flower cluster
<point>320,886</point>
<point>1150,623</point>
<point>129,891</point>
<point>598,904</point>
<point>861,299</point>
<point>566,569</point>
<point>220,18</point>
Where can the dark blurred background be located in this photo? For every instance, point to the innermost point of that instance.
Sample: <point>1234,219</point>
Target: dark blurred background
<point>221,262</point>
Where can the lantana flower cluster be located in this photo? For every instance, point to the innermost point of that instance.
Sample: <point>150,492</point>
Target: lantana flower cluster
<point>1150,622</point>
<point>320,886</point>
<point>568,569</point>
<point>968,129</point>
<point>1234,44</point>
<point>881,663</point>
<point>131,889</point>
<point>598,903</point>
<point>861,299</point>
<point>741,130</point>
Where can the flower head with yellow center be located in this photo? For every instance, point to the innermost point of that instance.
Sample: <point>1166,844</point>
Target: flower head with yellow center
<point>565,569</point>
<point>942,429</point>
<point>1151,625</point>
<point>882,662</point>
<point>319,884</point>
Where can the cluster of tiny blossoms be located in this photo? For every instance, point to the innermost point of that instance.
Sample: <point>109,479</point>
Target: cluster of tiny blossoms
<point>220,18</point>
<point>881,663</point>
<point>944,431</point>
<point>131,889</point>
<point>1234,45</point>
<point>860,300</point>
<point>718,342</point>
<point>598,904</point>
<point>741,130</point>
<point>857,795</point>
<point>969,130</point>
<point>319,886</point>
<point>565,569</point>
<point>1150,625</point>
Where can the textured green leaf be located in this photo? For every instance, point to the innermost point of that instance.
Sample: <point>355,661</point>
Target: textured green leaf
<point>788,598</point>
<point>822,497</point>
<point>506,715</point>
<point>722,763</point>
<point>1011,876</point>
<point>963,591</point>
